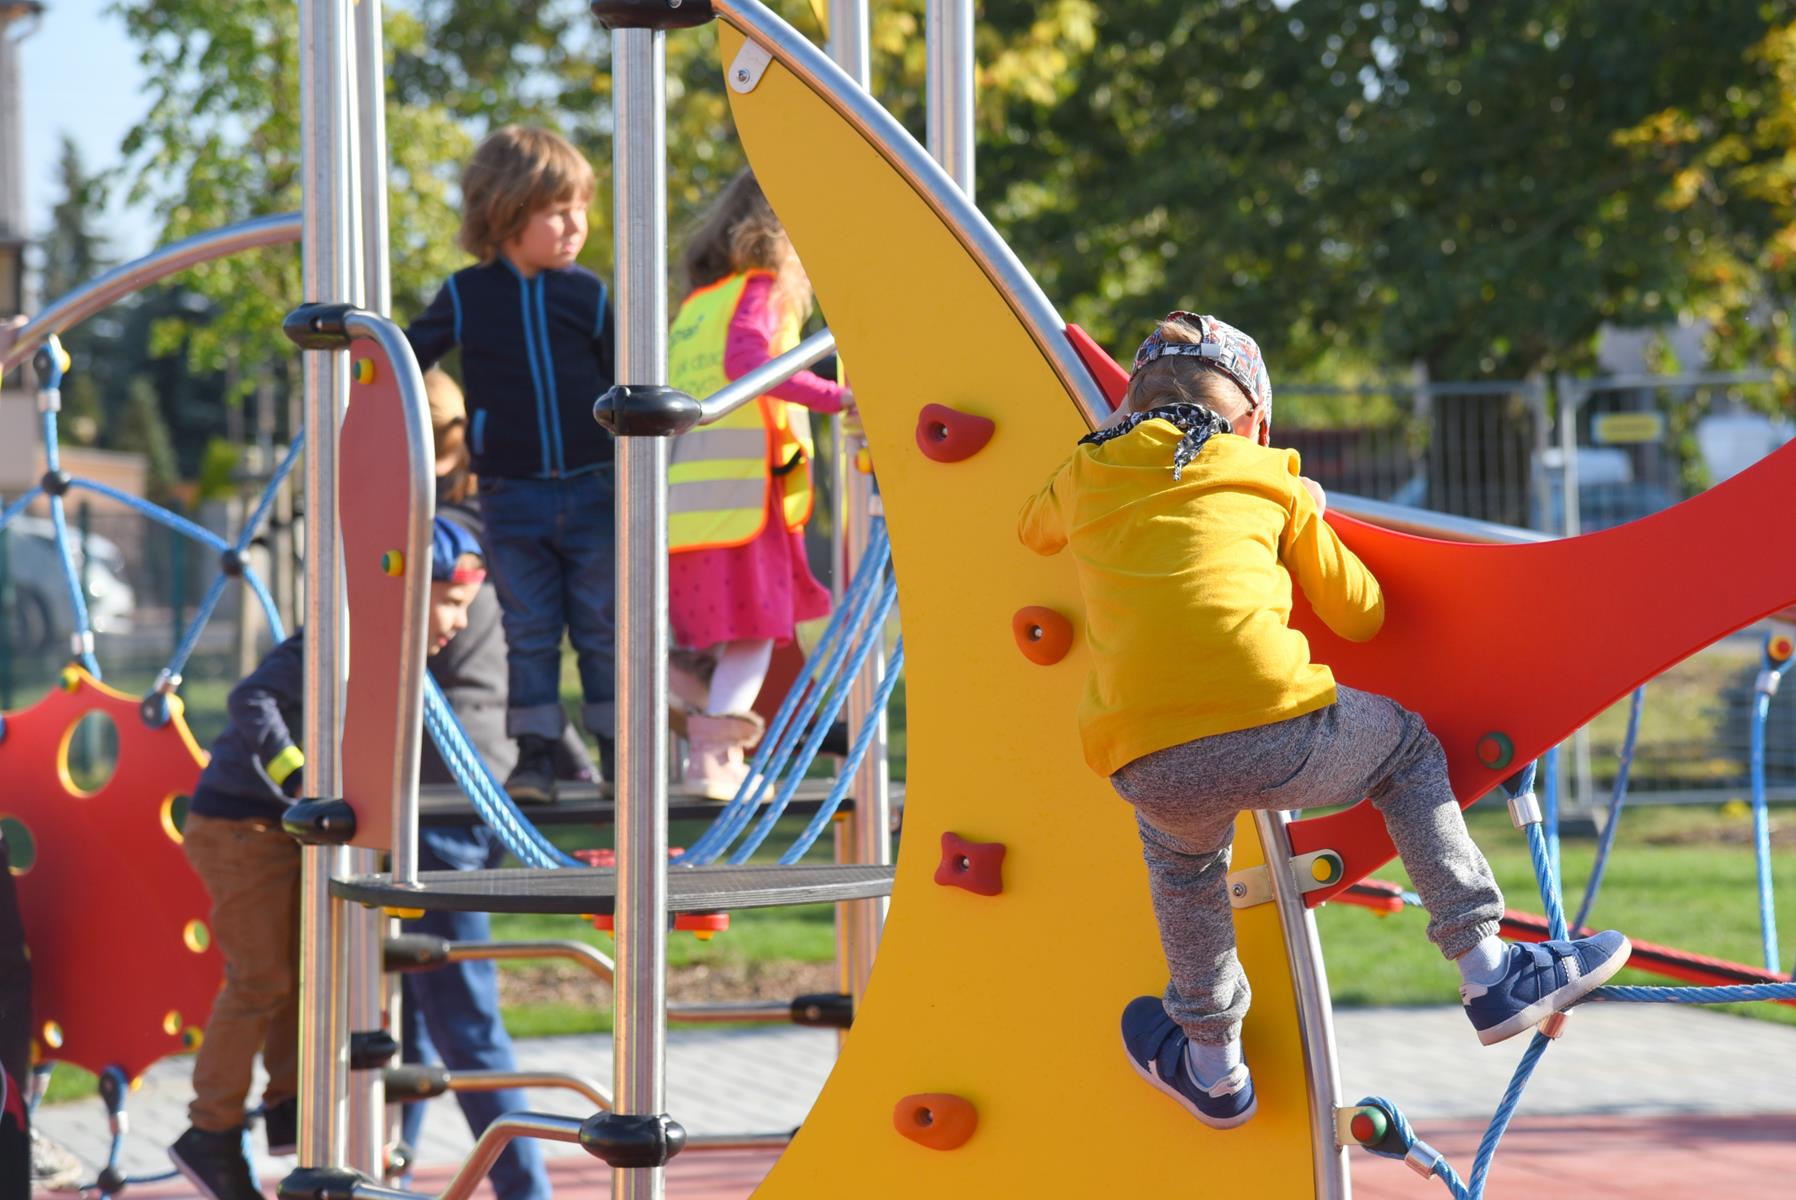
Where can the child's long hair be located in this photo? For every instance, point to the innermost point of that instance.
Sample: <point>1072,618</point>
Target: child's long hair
<point>741,232</point>
<point>516,173</point>
<point>1180,379</point>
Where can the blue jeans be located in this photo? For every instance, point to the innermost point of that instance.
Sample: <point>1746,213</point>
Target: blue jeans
<point>451,1015</point>
<point>551,549</point>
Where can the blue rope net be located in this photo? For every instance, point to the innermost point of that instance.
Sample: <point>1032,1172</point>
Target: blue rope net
<point>1401,1141</point>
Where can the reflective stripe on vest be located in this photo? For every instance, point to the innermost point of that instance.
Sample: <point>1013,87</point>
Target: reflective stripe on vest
<point>718,475</point>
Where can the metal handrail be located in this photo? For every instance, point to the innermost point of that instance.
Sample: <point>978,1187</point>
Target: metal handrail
<point>1423,523</point>
<point>769,375</point>
<point>134,276</point>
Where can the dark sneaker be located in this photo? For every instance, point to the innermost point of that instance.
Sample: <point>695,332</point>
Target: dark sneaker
<point>53,1169</point>
<point>1540,980</point>
<point>280,1126</point>
<point>216,1163</point>
<point>607,757</point>
<point>533,779</point>
<point>1156,1048</point>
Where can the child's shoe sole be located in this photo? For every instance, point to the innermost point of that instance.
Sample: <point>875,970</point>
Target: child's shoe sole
<point>1559,999</point>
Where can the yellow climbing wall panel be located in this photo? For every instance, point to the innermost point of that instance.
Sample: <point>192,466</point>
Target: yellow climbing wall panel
<point>1010,1001</point>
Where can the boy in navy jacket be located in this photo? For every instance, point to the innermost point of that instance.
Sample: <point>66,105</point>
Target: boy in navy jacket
<point>536,351</point>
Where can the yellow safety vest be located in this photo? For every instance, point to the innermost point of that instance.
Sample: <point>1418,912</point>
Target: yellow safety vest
<point>718,475</point>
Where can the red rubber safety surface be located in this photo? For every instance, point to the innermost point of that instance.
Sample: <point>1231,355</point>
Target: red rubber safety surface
<point>1532,641</point>
<point>112,909</point>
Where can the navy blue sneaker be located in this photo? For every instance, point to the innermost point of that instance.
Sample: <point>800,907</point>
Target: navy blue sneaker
<point>1541,979</point>
<point>1156,1047</point>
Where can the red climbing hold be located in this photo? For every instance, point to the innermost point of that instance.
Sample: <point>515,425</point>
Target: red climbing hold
<point>948,435</point>
<point>976,866</point>
<point>1043,635</point>
<point>938,1120</point>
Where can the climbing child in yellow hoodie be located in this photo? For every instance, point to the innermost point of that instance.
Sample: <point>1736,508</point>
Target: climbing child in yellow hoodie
<point>1187,530</point>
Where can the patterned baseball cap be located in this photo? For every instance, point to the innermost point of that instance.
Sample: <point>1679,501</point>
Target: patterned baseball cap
<point>1223,348</point>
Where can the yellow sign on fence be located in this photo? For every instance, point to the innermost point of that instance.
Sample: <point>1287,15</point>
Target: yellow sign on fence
<point>1627,428</point>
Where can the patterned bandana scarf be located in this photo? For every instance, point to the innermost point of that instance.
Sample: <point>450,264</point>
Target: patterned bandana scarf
<point>1196,422</point>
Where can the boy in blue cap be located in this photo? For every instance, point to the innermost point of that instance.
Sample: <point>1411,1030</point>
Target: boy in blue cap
<point>250,867</point>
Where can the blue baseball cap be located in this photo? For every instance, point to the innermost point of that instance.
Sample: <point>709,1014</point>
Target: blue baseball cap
<point>450,543</point>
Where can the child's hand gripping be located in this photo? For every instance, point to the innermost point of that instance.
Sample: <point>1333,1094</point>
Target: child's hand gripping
<point>1316,491</point>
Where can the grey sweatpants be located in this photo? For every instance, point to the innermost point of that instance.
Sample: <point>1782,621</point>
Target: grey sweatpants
<point>1186,799</point>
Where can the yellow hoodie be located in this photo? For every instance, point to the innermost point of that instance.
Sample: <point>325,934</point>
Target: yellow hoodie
<point>1187,587</point>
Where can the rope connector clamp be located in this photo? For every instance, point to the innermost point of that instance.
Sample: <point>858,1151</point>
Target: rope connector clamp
<point>1766,683</point>
<point>55,483</point>
<point>1524,810</point>
<point>1422,1158</point>
<point>81,644</point>
<point>230,563</point>
<point>49,400</point>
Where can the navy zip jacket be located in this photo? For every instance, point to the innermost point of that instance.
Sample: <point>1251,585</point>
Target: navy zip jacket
<point>263,707</point>
<point>535,354</point>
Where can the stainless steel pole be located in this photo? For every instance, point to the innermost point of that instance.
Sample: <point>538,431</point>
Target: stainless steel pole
<point>325,278</point>
<point>638,66</point>
<point>371,74</point>
<point>949,84</point>
<point>857,923</point>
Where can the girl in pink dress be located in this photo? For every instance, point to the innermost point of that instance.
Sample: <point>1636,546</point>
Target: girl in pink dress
<point>739,490</point>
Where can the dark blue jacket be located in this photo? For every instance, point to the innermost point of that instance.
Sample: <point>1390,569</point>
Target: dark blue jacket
<point>535,354</point>
<point>262,708</point>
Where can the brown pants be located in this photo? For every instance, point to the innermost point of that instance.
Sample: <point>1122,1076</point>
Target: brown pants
<point>251,871</point>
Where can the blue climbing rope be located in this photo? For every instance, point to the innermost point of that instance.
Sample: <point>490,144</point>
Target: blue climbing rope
<point>488,796</point>
<point>1549,808</point>
<point>776,751</point>
<point>850,765</point>
<point>1616,798</point>
<point>872,634</point>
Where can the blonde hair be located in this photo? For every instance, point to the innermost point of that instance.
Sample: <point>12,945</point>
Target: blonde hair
<point>1180,379</point>
<point>516,173</point>
<point>449,422</point>
<point>741,232</point>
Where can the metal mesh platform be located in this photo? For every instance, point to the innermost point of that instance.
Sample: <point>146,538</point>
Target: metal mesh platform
<point>594,890</point>
<point>591,804</point>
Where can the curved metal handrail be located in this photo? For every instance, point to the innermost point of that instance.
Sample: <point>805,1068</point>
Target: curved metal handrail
<point>134,276</point>
<point>1423,523</point>
<point>932,184</point>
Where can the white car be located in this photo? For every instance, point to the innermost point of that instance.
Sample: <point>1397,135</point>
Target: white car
<point>42,617</point>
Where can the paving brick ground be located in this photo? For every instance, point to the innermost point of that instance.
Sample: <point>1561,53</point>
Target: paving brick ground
<point>1637,1100</point>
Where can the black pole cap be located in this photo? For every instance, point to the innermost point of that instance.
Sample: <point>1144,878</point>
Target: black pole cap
<point>319,326</point>
<point>319,822</point>
<point>652,14</point>
<point>646,410</point>
<point>320,1183</point>
<point>414,952</point>
<point>371,1048</point>
<point>823,1010</point>
<point>414,1081</point>
<point>629,1140</point>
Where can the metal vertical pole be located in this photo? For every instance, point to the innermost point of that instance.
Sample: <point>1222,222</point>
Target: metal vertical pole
<point>949,109</point>
<point>862,837</point>
<point>326,278</point>
<point>638,65</point>
<point>365,927</point>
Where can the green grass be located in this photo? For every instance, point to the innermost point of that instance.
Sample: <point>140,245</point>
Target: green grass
<point>1665,882</point>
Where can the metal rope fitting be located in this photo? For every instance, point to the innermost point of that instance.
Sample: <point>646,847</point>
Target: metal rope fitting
<point>167,683</point>
<point>1554,1025</point>
<point>49,400</point>
<point>1766,683</point>
<point>1524,810</point>
<point>81,644</point>
<point>1422,1158</point>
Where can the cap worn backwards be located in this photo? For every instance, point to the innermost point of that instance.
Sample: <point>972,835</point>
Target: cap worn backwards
<point>1222,348</point>
<point>450,543</point>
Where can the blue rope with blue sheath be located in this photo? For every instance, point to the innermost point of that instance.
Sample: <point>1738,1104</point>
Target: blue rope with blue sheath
<point>856,754</point>
<point>872,634</point>
<point>1770,675</point>
<point>1616,798</point>
<point>1392,1136</point>
<point>765,769</point>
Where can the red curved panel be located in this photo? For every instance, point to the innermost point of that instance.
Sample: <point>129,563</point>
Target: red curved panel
<point>109,898</point>
<point>371,506</point>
